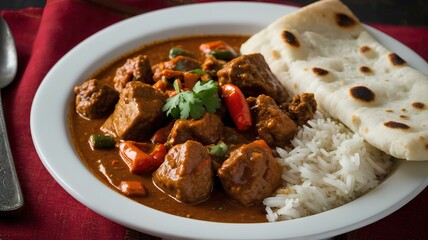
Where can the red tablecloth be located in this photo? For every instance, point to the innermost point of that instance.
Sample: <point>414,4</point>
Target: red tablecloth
<point>42,37</point>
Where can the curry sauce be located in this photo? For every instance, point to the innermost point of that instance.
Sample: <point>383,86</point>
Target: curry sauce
<point>109,168</point>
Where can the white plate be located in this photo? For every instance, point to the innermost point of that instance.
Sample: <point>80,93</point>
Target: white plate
<point>52,140</point>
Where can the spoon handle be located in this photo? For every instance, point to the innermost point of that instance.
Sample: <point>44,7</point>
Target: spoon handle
<point>11,198</point>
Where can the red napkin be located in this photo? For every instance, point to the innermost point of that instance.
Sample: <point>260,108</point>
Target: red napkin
<point>42,37</point>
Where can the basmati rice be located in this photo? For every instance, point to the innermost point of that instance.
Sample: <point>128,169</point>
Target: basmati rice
<point>327,166</point>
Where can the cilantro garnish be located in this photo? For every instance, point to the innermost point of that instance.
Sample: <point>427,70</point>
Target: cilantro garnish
<point>218,150</point>
<point>193,103</point>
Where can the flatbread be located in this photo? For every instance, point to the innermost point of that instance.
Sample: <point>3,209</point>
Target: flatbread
<point>323,48</point>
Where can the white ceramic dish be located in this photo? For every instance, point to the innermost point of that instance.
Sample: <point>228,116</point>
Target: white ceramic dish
<point>52,141</point>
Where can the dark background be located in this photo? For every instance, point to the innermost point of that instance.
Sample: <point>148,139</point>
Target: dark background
<point>395,12</point>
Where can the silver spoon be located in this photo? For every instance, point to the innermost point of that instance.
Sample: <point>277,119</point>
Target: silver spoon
<point>11,198</point>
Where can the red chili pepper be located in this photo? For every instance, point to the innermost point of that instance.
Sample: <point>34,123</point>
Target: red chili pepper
<point>215,45</point>
<point>237,106</point>
<point>158,155</point>
<point>139,161</point>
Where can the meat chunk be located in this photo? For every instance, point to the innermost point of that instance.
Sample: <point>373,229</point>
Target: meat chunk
<point>302,108</point>
<point>137,69</point>
<point>207,130</point>
<point>251,173</point>
<point>95,99</point>
<point>253,76</point>
<point>272,124</point>
<point>186,173</point>
<point>137,114</point>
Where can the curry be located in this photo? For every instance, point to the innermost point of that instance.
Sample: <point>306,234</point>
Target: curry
<point>188,126</point>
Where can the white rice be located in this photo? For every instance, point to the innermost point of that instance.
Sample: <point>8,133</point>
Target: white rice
<point>326,167</point>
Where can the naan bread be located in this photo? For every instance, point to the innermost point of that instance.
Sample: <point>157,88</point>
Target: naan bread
<point>323,49</point>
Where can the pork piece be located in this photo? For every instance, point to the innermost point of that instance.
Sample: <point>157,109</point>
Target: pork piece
<point>134,69</point>
<point>302,108</point>
<point>271,123</point>
<point>253,76</point>
<point>95,99</point>
<point>207,130</point>
<point>251,173</point>
<point>137,114</point>
<point>186,174</point>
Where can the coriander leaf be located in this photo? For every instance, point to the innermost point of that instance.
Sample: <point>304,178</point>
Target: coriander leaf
<point>171,106</point>
<point>202,89</point>
<point>211,104</point>
<point>184,112</point>
<point>197,110</point>
<point>208,93</point>
<point>187,104</point>
<point>202,98</point>
<point>189,97</point>
<point>175,112</point>
<point>218,150</point>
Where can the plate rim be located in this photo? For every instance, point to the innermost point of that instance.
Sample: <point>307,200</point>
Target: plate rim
<point>38,127</point>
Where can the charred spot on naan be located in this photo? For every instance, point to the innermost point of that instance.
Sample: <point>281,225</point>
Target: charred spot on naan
<point>319,71</point>
<point>362,93</point>
<point>367,52</point>
<point>365,70</point>
<point>345,21</point>
<point>396,60</point>
<point>396,125</point>
<point>365,49</point>
<point>418,105</point>
<point>324,75</point>
<point>290,38</point>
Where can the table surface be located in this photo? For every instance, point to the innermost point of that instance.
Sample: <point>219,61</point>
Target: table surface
<point>394,12</point>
